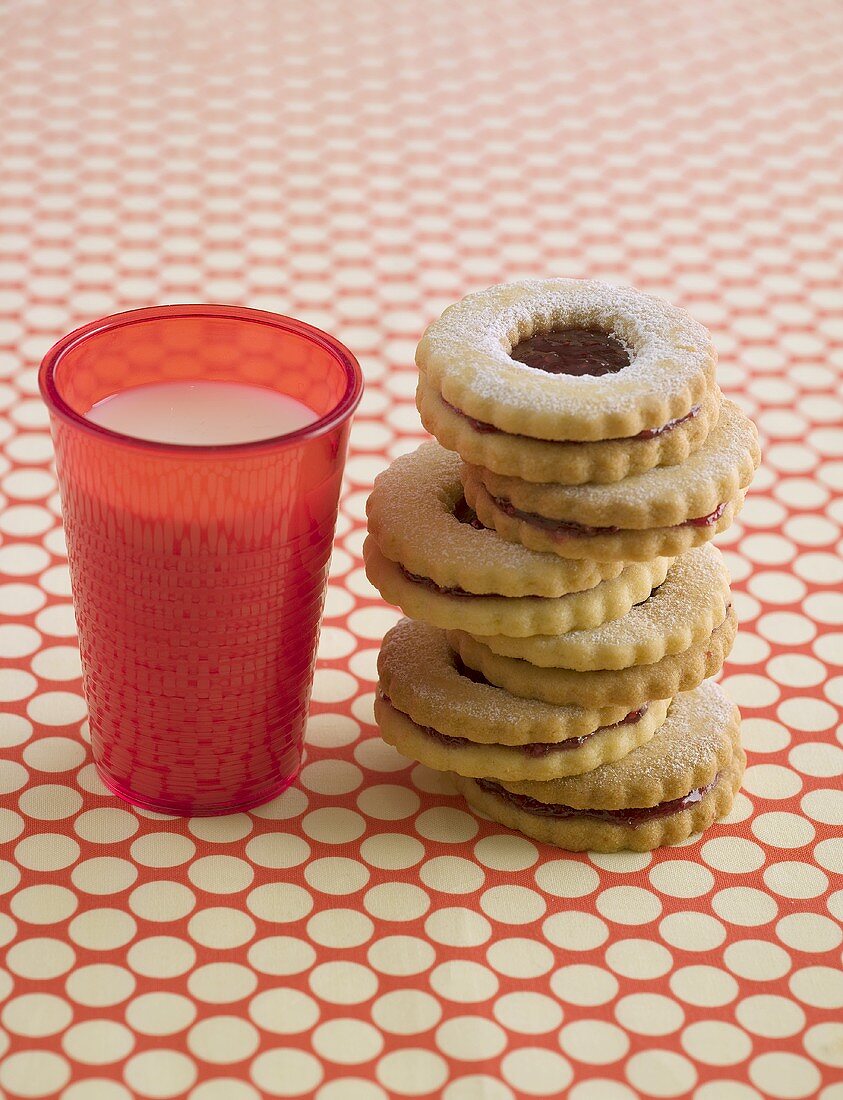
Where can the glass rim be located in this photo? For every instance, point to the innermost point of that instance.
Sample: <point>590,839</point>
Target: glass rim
<point>341,411</point>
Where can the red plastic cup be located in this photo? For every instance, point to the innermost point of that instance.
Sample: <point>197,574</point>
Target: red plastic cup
<point>198,572</point>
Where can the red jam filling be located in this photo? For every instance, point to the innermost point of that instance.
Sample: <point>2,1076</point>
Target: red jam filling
<point>630,817</point>
<point>651,433</point>
<point>466,514</point>
<point>537,749</point>
<point>706,521</point>
<point>564,528</point>
<point>574,351</point>
<point>648,433</point>
<point>426,582</point>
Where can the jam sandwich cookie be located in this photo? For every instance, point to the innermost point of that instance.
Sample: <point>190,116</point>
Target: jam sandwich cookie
<point>433,709</point>
<point>571,539</point>
<point>418,516</point>
<point>427,554</point>
<point>665,511</point>
<point>568,463</point>
<point>517,616</point>
<point>676,785</point>
<point>540,761</point>
<point>682,612</point>
<point>627,687</point>
<point>569,360</point>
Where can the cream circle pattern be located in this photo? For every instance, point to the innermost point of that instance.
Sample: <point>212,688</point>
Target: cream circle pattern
<point>363,936</point>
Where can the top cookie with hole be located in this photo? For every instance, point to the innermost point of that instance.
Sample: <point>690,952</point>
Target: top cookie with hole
<point>570,360</point>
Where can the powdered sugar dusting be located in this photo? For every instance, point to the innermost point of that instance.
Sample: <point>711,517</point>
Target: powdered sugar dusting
<point>419,672</point>
<point>473,338</point>
<point>691,582</point>
<point>692,746</point>
<point>411,516</point>
<point>692,596</point>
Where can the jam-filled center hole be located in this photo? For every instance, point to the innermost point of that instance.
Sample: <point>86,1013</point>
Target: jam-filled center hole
<point>574,351</point>
<point>466,514</point>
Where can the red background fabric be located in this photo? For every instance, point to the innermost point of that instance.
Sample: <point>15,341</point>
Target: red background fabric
<point>360,166</point>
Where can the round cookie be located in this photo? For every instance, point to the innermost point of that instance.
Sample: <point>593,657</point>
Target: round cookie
<point>661,497</point>
<point>418,516</point>
<point>565,462</point>
<point>676,785</point>
<point>664,511</point>
<point>626,687</point>
<point>618,545</point>
<point>423,677</point>
<point>682,612</point>
<point>538,761</point>
<point>568,359</point>
<point>518,616</point>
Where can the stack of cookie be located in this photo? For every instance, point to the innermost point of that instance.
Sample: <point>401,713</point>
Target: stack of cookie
<point>566,606</point>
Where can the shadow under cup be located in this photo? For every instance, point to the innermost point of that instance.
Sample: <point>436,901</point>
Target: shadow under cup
<point>198,572</point>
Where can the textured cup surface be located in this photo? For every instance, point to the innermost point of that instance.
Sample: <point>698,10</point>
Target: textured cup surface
<point>198,573</point>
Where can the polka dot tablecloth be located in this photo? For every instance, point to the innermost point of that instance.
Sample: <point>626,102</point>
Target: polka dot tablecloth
<point>360,165</point>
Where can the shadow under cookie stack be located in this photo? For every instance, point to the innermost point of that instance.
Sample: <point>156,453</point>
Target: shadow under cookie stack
<point>553,554</point>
